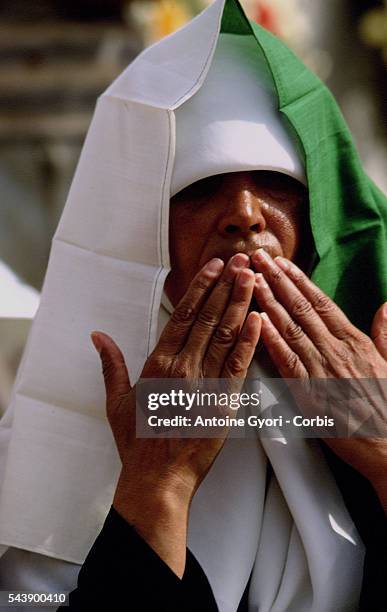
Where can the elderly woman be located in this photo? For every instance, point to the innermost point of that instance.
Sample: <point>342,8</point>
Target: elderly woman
<point>270,214</point>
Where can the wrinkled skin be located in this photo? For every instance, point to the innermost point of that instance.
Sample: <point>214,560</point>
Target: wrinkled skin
<point>160,476</point>
<point>235,213</point>
<point>263,217</point>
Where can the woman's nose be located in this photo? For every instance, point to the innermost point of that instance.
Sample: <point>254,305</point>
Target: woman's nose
<point>242,218</point>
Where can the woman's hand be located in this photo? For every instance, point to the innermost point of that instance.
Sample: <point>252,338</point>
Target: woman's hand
<point>309,337</point>
<point>209,335</point>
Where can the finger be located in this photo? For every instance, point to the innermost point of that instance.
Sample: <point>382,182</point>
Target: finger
<point>238,361</point>
<point>175,333</point>
<point>292,334</point>
<point>286,361</point>
<point>230,325</point>
<point>379,330</point>
<point>210,315</point>
<point>115,373</point>
<point>294,301</point>
<point>333,317</point>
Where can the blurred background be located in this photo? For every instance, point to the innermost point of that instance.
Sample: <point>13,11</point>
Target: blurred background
<point>57,56</point>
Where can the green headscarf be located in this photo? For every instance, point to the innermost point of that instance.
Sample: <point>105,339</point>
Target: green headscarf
<point>348,213</point>
<point>348,218</point>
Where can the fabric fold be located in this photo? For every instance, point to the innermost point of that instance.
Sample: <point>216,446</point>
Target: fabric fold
<point>107,269</point>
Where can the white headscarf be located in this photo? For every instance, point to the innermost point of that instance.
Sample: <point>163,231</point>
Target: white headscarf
<point>107,268</point>
<point>232,123</point>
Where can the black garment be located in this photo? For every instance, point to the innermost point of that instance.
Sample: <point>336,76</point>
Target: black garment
<point>370,520</point>
<point>122,573</point>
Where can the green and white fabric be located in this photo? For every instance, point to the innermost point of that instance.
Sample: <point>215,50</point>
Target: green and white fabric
<point>107,268</point>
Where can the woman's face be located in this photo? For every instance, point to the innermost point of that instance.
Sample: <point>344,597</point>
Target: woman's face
<point>237,212</point>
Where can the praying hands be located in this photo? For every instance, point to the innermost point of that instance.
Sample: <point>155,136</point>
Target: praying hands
<point>211,334</point>
<point>309,337</point>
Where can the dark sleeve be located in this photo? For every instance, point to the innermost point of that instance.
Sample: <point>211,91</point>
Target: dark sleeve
<point>369,517</point>
<point>122,572</point>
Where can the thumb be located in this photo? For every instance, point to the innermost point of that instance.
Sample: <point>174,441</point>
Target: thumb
<point>379,330</point>
<point>115,373</point>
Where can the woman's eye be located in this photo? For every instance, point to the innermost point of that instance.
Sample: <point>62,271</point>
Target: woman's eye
<point>280,187</point>
<point>205,188</point>
<point>280,196</point>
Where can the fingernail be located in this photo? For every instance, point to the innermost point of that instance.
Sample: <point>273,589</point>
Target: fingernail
<point>252,321</point>
<point>244,277</point>
<point>240,260</point>
<point>96,341</point>
<point>262,255</point>
<point>282,262</point>
<point>215,265</point>
<point>254,316</point>
<point>264,316</point>
<point>260,281</point>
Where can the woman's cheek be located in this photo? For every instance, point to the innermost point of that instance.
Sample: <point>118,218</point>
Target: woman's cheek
<point>286,236</point>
